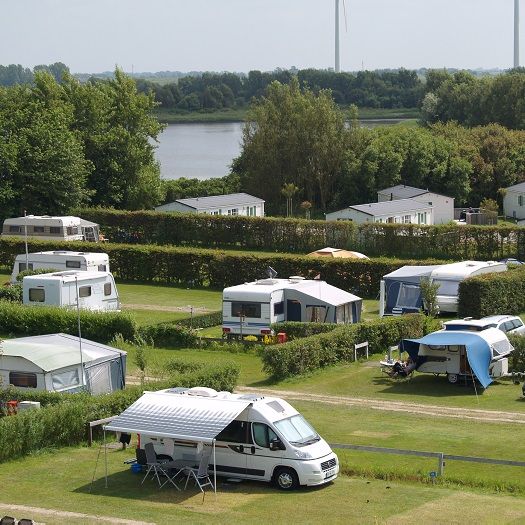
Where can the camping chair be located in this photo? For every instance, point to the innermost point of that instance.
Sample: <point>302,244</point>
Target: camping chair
<point>157,467</point>
<point>200,474</point>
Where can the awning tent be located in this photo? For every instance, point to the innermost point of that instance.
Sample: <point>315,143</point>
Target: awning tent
<point>402,288</point>
<point>479,354</point>
<point>337,253</point>
<point>178,416</point>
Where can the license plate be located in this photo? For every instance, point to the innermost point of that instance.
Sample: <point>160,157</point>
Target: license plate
<point>329,473</point>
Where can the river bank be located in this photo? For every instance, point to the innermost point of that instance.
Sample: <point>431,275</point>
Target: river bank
<point>238,115</point>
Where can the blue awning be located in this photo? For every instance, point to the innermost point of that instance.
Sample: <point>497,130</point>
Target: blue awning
<point>479,354</point>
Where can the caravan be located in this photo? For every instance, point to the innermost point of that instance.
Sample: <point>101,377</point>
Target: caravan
<point>251,308</point>
<point>61,260</point>
<point>96,290</point>
<point>253,436</point>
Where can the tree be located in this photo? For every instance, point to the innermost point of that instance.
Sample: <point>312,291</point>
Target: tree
<point>289,190</point>
<point>429,292</point>
<point>292,137</point>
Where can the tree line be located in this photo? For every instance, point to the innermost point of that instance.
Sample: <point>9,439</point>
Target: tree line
<point>68,144</point>
<point>300,138</point>
<point>210,91</point>
<point>14,74</point>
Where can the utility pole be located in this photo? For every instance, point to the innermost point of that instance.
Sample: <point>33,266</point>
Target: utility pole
<point>337,60</point>
<point>516,33</point>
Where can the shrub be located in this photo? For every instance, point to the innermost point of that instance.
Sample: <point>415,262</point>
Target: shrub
<point>202,321</point>
<point>310,353</point>
<point>11,292</point>
<point>296,330</point>
<point>517,358</point>
<point>492,294</point>
<point>169,334</point>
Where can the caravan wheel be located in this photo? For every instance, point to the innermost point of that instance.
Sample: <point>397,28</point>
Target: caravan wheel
<point>452,378</point>
<point>286,479</point>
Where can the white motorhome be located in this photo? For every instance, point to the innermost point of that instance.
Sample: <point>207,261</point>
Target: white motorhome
<point>461,353</point>
<point>254,437</point>
<point>251,308</point>
<point>51,228</point>
<point>448,276</point>
<point>96,290</point>
<point>61,260</point>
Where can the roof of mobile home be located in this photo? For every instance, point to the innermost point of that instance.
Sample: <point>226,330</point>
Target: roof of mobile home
<point>463,269</point>
<point>55,351</point>
<point>66,276</point>
<point>312,287</point>
<point>216,201</point>
<point>404,192</point>
<point>388,207</point>
<point>517,187</point>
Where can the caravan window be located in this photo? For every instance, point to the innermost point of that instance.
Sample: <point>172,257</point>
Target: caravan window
<point>408,295</point>
<point>72,230</point>
<point>278,308</point>
<point>66,379</point>
<point>316,314</point>
<point>252,310</point>
<point>101,267</point>
<point>15,229</point>
<point>38,229</point>
<point>447,287</point>
<point>263,434</point>
<point>22,267</point>
<point>107,288</point>
<point>55,230</point>
<point>235,432</point>
<point>22,379</point>
<point>84,291</point>
<point>72,264</point>
<point>37,295</point>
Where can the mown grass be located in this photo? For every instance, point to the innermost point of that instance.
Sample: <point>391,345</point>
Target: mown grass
<point>62,480</point>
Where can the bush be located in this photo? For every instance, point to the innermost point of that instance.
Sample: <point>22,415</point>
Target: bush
<point>11,292</point>
<point>296,330</point>
<point>492,294</point>
<point>169,334</point>
<point>18,319</point>
<point>310,353</point>
<point>203,320</point>
<point>517,358</point>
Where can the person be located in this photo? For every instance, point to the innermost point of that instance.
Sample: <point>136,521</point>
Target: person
<point>403,368</point>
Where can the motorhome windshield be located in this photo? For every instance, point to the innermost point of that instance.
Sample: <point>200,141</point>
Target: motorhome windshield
<point>447,287</point>
<point>297,431</point>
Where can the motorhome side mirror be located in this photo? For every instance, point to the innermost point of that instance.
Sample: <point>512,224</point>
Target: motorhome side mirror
<point>277,444</point>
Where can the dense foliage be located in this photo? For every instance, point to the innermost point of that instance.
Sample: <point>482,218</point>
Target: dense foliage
<point>210,91</point>
<point>66,144</point>
<point>475,101</point>
<point>493,294</point>
<point>307,354</point>
<point>64,418</point>
<point>14,74</point>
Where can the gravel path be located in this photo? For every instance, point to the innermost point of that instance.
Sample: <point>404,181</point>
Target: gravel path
<point>396,406</point>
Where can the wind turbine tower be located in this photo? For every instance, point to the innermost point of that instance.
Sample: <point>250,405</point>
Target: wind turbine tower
<point>516,33</point>
<point>337,59</point>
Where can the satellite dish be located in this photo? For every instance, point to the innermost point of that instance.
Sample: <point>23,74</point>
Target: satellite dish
<point>271,272</point>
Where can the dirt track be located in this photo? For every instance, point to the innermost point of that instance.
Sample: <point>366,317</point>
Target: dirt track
<point>396,406</point>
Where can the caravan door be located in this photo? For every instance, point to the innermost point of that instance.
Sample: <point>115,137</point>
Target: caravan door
<point>231,448</point>
<point>293,310</point>
<point>262,459</point>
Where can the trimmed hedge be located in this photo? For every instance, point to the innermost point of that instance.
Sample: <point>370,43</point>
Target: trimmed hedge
<point>305,355</point>
<point>202,321</point>
<point>216,269</point>
<point>63,422</point>
<point>297,330</point>
<point>169,335</point>
<point>492,294</point>
<point>19,319</point>
<point>517,358</point>
<point>447,241</point>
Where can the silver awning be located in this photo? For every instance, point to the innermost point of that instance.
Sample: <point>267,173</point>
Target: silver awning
<point>178,416</point>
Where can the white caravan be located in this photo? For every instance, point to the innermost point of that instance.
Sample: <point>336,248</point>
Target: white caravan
<point>251,308</point>
<point>61,260</point>
<point>448,276</point>
<point>264,438</point>
<point>96,290</point>
<point>51,228</point>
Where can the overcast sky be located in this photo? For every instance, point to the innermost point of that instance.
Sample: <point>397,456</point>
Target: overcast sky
<point>239,35</point>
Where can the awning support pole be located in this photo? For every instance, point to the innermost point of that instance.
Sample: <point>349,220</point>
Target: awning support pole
<point>106,457</point>
<point>214,471</point>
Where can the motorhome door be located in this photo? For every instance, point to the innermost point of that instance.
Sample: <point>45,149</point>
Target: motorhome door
<point>231,448</point>
<point>262,459</point>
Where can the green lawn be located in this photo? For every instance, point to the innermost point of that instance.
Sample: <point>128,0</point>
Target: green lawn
<point>62,481</point>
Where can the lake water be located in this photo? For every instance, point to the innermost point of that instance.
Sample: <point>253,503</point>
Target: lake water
<point>206,150</point>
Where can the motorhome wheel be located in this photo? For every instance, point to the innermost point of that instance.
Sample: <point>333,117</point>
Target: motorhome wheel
<point>452,378</point>
<point>286,479</point>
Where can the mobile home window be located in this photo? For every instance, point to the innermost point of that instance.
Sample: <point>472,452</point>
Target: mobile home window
<point>15,229</point>
<point>22,379</point>
<point>37,295</point>
<point>22,267</point>
<point>84,291</point>
<point>252,310</point>
<point>406,219</point>
<point>107,288</point>
<point>55,230</point>
<point>278,308</point>
<point>316,314</point>
<point>72,264</point>
<point>38,229</point>
<point>520,200</point>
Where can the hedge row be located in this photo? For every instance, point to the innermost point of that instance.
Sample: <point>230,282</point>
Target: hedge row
<point>63,422</point>
<point>202,321</point>
<point>492,294</point>
<point>218,269</point>
<point>310,353</point>
<point>297,330</point>
<point>299,235</point>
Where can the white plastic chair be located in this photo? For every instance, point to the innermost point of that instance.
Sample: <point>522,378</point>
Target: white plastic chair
<point>200,474</point>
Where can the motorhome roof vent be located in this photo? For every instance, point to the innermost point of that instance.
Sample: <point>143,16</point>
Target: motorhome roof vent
<point>266,281</point>
<point>276,406</point>
<point>202,391</point>
<point>295,278</point>
<point>251,397</point>
<point>58,252</point>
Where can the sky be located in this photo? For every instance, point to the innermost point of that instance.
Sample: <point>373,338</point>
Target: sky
<point>93,36</point>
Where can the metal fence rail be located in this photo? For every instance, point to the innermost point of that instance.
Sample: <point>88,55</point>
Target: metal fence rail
<point>441,457</point>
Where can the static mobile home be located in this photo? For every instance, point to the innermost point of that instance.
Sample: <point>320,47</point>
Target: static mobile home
<point>251,308</point>
<point>459,353</point>
<point>247,436</point>
<point>53,363</point>
<point>96,290</point>
<point>61,260</point>
<point>46,227</point>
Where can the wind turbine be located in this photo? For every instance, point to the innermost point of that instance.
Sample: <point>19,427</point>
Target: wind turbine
<point>516,33</point>
<point>337,56</point>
